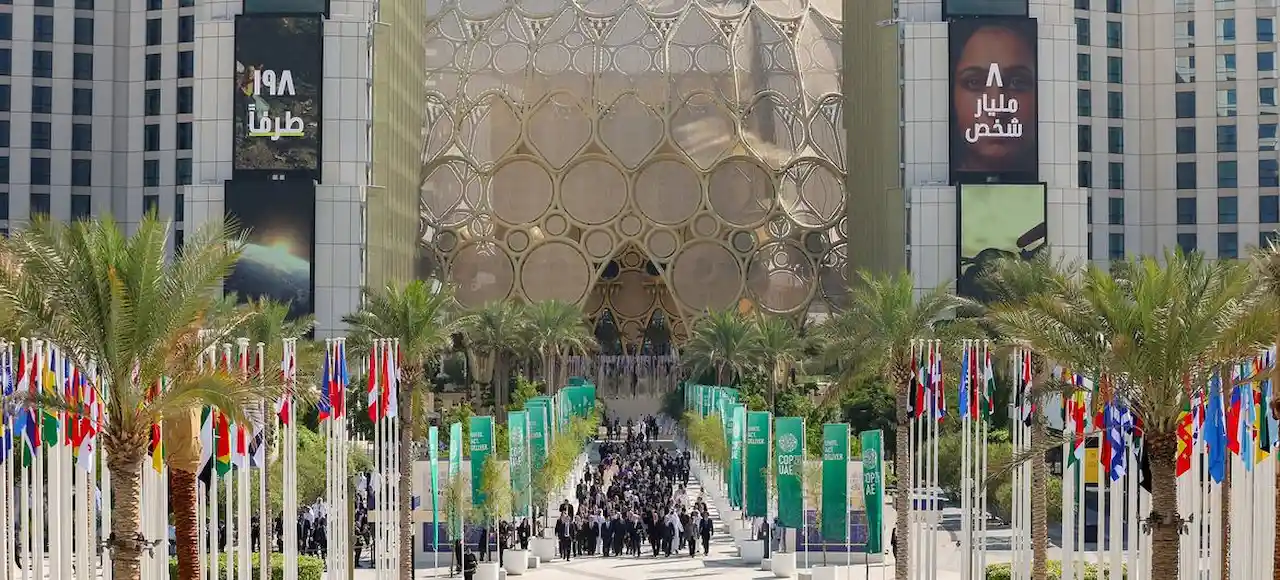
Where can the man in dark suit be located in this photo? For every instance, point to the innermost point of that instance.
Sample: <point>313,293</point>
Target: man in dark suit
<point>704,530</point>
<point>565,533</point>
<point>606,536</point>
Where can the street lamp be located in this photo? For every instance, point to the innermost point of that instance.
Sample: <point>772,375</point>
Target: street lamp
<point>482,368</point>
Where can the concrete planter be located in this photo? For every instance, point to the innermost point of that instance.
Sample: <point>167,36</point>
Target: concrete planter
<point>741,535</point>
<point>487,571</point>
<point>766,565</point>
<point>544,548</point>
<point>516,562</point>
<point>783,564</point>
<point>751,551</point>
<point>830,572</point>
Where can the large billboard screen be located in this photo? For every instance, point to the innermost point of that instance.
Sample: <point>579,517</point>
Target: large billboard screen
<point>278,86</point>
<point>278,219</point>
<point>994,116</point>
<point>287,7</point>
<point>997,221</point>
<point>953,8</point>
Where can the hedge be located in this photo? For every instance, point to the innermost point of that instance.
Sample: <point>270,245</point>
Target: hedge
<point>1005,572</point>
<point>309,567</point>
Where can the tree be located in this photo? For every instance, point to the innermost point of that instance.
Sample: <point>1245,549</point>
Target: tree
<point>1014,281</point>
<point>495,485</point>
<point>1149,330</point>
<point>555,329</point>
<point>119,303</point>
<point>724,342</point>
<point>525,390</point>
<point>812,488</point>
<point>421,316</point>
<point>778,347</point>
<point>495,335</point>
<point>874,338</point>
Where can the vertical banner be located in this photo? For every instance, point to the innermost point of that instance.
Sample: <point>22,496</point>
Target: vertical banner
<point>481,448</point>
<point>278,92</point>
<point>835,482</point>
<point>736,418</point>
<point>994,105</point>
<point>997,221</point>
<point>757,487</point>
<point>455,471</point>
<point>518,439</point>
<point>873,488</point>
<point>433,456</point>
<point>277,262</point>
<point>538,436</point>
<point>790,457</point>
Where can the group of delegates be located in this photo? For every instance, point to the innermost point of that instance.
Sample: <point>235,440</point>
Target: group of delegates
<point>635,494</point>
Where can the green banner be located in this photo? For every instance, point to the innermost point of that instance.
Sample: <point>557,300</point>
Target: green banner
<point>873,488</point>
<point>539,438</point>
<point>789,442</point>
<point>835,482</point>
<point>757,469</point>
<point>518,439</point>
<point>481,448</point>
<point>433,457</point>
<point>455,471</point>
<point>737,426</point>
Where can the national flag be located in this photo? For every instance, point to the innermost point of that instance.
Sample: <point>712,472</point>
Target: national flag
<point>28,421</point>
<point>1233,420</point>
<point>1215,431</point>
<point>1142,449</point>
<point>50,384</point>
<point>1186,441</point>
<point>965,363</point>
<point>374,398</point>
<point>1103,422</point>
<point>939,388</point>
<point>90,423</point>
<point>156,449</point>
<point>988,389</point>
<point>1263,420</point>
<point>241,457</point>
<point>344,380</point>
<point>207,444</point>
<point>1121,424</point>
<point>392,383</point>
<point>1025,400</point>
<point>289,374</point>
<point>325,408</point>
<point>337,390</point>
<point>222,442</point>
<point>922,393</point>
<point>914,387</point>
<point>256,451</point>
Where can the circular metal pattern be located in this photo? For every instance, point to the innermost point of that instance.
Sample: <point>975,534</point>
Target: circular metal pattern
<point>833,277</point>
<point>555,271</point>
<point>704,135</point>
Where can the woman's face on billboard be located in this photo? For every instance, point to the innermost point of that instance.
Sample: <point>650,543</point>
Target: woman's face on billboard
<point>997,123</point>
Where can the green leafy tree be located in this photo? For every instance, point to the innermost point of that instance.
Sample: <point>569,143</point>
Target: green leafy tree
<point>460,413</point>
<point>525,390</point>
<point>779,347</point>
<point>556,329</point>
<point>495,483</point>
<point>724,342</point>
<point>496,334</point>
<point>423,317</point>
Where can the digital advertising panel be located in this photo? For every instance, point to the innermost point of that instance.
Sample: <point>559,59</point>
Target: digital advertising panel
<point>277,102</point>
<point>994,104</point>
<point>278,220</point>
<point>997,221</point>
<point>954,8</point>
<point>278,7</point>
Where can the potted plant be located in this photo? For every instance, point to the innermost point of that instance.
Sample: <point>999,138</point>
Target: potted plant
<point>456,509</point>
<point>495,485</point>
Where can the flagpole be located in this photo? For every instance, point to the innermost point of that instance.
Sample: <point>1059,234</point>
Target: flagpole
<point>912,539</point>
<point>288,495</point>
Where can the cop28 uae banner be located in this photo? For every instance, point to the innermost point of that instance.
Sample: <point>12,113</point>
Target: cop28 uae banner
<point>756,483</point>
<point>481,449</point>
<point>994,104</point>
<point>873,488</point>
<point>790,457</point>
<point>835,482</point>
<point>539,414</point>
<point>518,446</point>
<point>737,418</point>
<point>278,86</point>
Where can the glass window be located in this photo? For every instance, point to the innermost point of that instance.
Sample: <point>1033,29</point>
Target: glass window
<point>41,99</point>
<point>81,205</point>
<point>1228,245</point>
<point>1226,138</point>
<point>81,174</point>
<point>1228,174</point>
<point>4,169</point>
<point>4,207</point>
<point>179,207</point>
<point>1267,63</point>
<point>83,4</point>
<point>5,97</point>
<point>1115,35</point>
<point>1266,30</point>
<point>151,137</point>
<point>1226,68</point>
<point>1228,207</point>
<point>81,101</point>
<point>1268,173</point>
<point>1084,67</point>
<point>151,102</point>
<point>1084,102</point>
<point>179,236</point>
<point>1267,100</point>
<point>1226,30</point>
<point>6,26</point>
<point>1269,209</point>
<point>82,66</point>
<point>81,137</point>
<point>1227,102</point>
<point>182,171</point>
<point>1115,175</point>
<point>41,135</point>
<point>150,173</point>
<point>155,4</point>
<point>1115,69</point>
<point>1115,246</point>
<point>1088,212</point>
<point>155,32</point>
<point>1082,31</point>
<point>1113,6</point>
<point>153,67</point>
<point>1115,211</point>
<point>1184,34</point>
<point>150,204</point>
<point>186,28</point>
<point>1268,239</point>
<point>1184,69</point>
<point>1115,104</point>
<point>83,31</point>
<point>1187,242</point>
<point>1115,139</point>
<point>1084,134</point>
<point>186,100</point>
<point>186,64</point>
<point>1185,104</point>
<point>1082,4</point>
<point>40,172</point>
<point>1186,211</point>
<point>42,64</point>
<point>6,61</point>
<point>42,28</point>
<point>1185,139</point>
<point>1084,173</point>
<point>1186,174</point>
<point>5,133</point>
<point>40,204</point>
<point>183,136</point>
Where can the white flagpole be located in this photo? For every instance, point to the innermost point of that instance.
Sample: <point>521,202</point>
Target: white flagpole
<point>983,427</point>
<point>289,453</point>
<point>1015,414</point>
<point>264,523</point>
<point>233,564</point>
<point>331,448</point>
<point>1068,483</point>
<point>244,485</point>
<point>967,441</point>
<point>38,491</point>
<point>913,541</point>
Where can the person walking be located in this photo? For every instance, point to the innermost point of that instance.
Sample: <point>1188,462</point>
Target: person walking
<point>565,533</point>
<point>704,530</point>
<point>523,532</point>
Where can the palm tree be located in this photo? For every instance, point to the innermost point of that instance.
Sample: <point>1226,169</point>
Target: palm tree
<point>118,302</point>
<point>1014,281</point>
<point>873,338</point>
<point>779,347</point>
<point>555,329</point>
<point>1150,328</point>
<point>725,342</point>
<point>421,315</point>
<point>496,332</point>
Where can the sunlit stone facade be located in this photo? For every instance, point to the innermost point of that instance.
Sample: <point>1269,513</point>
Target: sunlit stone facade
<point>636,157</point>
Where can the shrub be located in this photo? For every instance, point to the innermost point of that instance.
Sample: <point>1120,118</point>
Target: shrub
<point>1005,572</point>
<point>309,567</point>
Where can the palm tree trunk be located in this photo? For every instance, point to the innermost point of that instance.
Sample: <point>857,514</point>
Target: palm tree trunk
<point>182,496</point>
<point>547,377</point>
<point>902,470</point>
<point>1039,504</point>
<point>1165,538</point>
<point>407,437</point>
<point>125,463</point>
